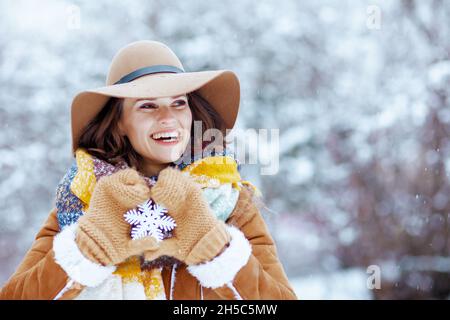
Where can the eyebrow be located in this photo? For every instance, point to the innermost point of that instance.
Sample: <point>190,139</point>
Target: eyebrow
<point>152,99</point>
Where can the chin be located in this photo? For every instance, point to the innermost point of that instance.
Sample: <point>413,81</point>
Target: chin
<point>168,158</point>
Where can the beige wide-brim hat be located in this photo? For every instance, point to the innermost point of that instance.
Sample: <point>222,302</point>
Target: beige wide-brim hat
<point>150,69</point>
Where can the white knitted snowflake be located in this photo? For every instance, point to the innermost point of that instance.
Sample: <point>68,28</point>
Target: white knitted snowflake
<point>149,219</point>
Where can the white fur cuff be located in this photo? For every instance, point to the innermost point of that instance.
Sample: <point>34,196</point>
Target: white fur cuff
<point>222,269</point>
<point>76,265</point>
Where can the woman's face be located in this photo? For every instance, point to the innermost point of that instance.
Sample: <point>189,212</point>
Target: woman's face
<point>158,128</point>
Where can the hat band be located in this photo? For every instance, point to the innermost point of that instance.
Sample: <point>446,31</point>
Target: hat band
<point>148,70</point>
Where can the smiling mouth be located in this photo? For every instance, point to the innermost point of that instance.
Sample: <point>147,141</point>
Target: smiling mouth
<point>166,137</point>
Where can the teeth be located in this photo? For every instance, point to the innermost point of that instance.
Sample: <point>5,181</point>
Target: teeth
<point>173,134</point>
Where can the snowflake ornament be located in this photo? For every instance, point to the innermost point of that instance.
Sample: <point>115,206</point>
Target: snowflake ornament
<point>149,219</point>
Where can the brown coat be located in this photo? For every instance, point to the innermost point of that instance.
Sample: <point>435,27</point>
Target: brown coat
<point>263,277</point>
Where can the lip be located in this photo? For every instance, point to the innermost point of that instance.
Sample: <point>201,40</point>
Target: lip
<point>164,131</point>
<point>164,143</point>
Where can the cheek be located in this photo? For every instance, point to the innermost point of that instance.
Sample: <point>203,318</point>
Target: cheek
<point>136,128</point>
<point>187,119</point>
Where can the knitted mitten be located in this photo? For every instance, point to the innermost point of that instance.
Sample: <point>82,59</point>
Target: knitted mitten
<point>199,236</point>
<point>103,235</point>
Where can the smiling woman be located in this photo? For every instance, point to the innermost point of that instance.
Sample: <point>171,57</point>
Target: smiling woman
<point>127,140</point>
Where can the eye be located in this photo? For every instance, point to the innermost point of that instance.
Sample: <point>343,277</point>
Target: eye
<point>180,103</point>
<point>147,106</point>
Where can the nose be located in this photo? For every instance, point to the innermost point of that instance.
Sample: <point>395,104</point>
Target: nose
<point>166,117</point>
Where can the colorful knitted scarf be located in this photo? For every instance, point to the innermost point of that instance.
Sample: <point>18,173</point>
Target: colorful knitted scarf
<point>217,173</point>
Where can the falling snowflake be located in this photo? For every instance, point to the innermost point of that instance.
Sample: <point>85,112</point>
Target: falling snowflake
<point>149,219</point>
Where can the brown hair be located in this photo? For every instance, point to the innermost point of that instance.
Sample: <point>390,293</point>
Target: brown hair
<point>102,139</point>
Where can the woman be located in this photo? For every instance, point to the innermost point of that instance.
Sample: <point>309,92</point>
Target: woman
<point>140,215</point>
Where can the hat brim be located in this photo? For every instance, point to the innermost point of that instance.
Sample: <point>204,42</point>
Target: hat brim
<point>220,88</point>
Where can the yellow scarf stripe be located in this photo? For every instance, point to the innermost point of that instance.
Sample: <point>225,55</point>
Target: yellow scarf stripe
<point>84,181</point>
<point>130,271</point>
<point>214,171</point>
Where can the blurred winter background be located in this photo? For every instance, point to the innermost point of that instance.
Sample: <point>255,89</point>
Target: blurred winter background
<point>359,90</point>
